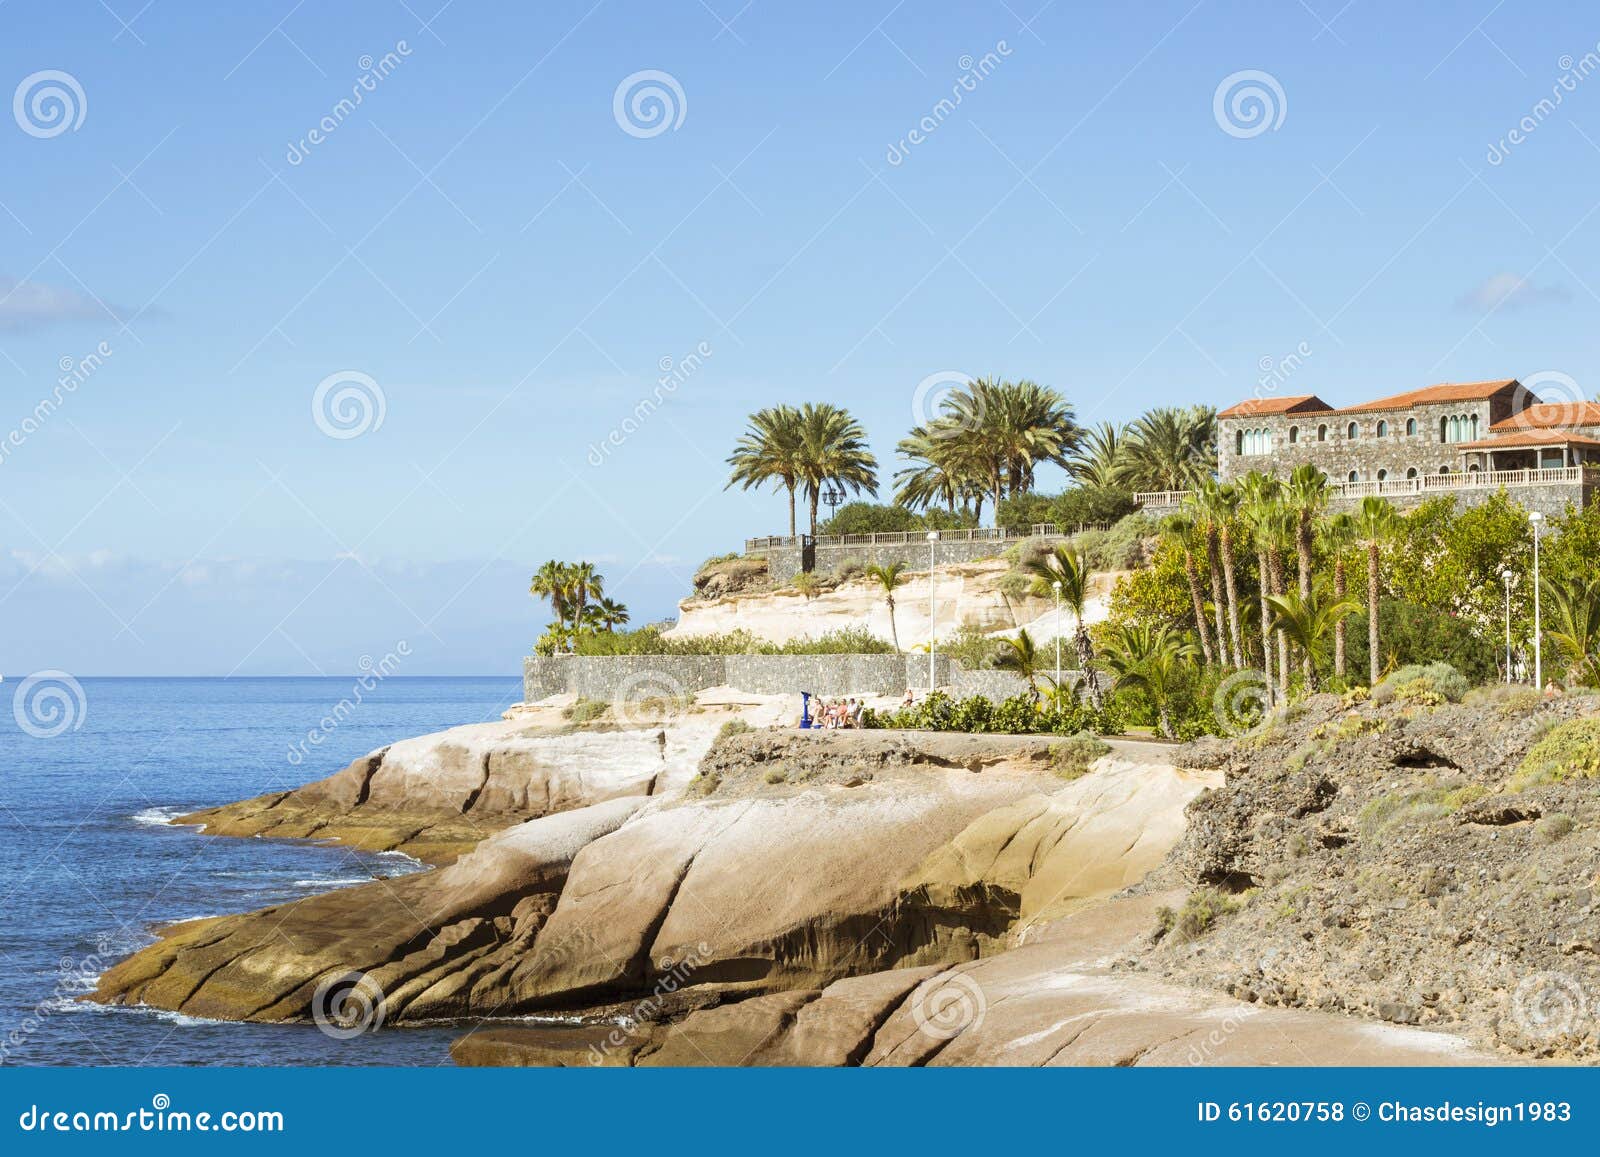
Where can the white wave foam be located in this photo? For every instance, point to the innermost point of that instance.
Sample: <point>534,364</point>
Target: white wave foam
<point>161,817</point>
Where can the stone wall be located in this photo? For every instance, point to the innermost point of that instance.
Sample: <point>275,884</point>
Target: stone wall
<point>625,677</point>
<point>785,562</point>
<point>1549,498</point>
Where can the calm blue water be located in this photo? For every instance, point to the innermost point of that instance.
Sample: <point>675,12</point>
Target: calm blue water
<point>87,868</point>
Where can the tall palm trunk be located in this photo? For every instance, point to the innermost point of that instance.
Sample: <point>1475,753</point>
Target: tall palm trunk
<point>1234,632</point>
<point>894,631</point>
<point>1302,544</point>
<point>1217,601</point>
<point>1192,573</point>
<point>1372,613</point>
<point>1340,588</point>
<point>1264,581</point>
<point>1081,644</point>
<point>1283,639</point>
<point>790,485</point>
<point>814,493</point>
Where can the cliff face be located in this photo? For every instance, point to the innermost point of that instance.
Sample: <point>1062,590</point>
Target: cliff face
<point>968,594</point>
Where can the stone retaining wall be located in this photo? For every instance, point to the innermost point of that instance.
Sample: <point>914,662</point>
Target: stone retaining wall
<point>625,677</point>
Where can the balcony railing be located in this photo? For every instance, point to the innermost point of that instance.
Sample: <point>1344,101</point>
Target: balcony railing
<point>907,537</point>
<point>1423,484</point>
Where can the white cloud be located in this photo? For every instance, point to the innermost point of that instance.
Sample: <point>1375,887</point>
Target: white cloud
<point>1507,291</point>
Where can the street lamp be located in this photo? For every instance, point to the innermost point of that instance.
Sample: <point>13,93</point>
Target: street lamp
<point>1538,642</point>
<point>1505,576</point>
<point>1057,587</point>
<point>933,606</point>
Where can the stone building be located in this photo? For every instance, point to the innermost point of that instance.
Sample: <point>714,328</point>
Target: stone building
<point>1465,439</point>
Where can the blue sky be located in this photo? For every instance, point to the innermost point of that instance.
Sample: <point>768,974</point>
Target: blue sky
<point>483,240</point>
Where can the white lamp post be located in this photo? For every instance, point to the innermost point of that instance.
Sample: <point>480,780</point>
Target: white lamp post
<point>1538,629</point>
<point>1057,586</point>
<point>933,605</point>
<point>1505,575</point>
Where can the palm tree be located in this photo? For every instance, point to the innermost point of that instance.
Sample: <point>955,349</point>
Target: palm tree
<point>611,614</point>
<point>1375,522</point>
<point>833,451</point>
<point>1185,532</point>
<point>1205,509</point>
<point>584,584</point>
<point>1338,534</point>
<point>1071,569</point>
<point>1140,655</point>
<point>769,451</point>
<point>1022,656</point>
<point>551,582</point>
<point>1172,448</point>
<point>1101,458</point>
<point>888,576</point>
<point>1305,495</point>
<point>1259,504</point>
<point>1275,534</point>
<point>943,470</point>
<point>1004,430</point>
<point>1574,624</point>
<point>1308,621</point>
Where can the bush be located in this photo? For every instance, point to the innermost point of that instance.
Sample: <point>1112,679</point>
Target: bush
<point>1418,805</point>
<point>650,641</point>
<point>733,727</point>
<point>1089,504</point>
<point>1202,909</point>
<point>585,711</point>
<point>1018,515</point>
<point>1018,715</point>
<point>1429,685</point>
<point>1570,751</point>
<point>971,648</point>
<point>1553,828</point>
<point>1409,634</point>
<point>1074,755</point>
<point>871,518</point>
<point>1119,547</point>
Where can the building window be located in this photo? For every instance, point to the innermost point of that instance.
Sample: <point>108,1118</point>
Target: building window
<point>1294,434</point>
<point>1238,443</point>
<point>1444,470</point>
<point>1474,424</point>
<point>1444,426</point>
<point>1411,427</point>
<point>1473,469</point>
<point>1382,474</point>
<point>1322,433</point>
<point>1383,429</point>
<point>1352,431</point>
<point>1354,476</point>
<point>1412,472</point>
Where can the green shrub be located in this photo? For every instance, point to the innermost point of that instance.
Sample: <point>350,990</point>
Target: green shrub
<point>1553,828</point>
<point>1409,634</point>
<point>871,518</point>
<point>1509,699</point>
<point>1415,805</point>
<point>585,710</point>
<point>650,641</point>
<point>1085,505</point>
<point>848,569</point>
<point>1073,756</point>
<point>1018,715</point>
<point>1570,751</point>
<point>971,648</point>
<point>1019,514</point>
<point>1202,909</point>
<point>1429,685</point>
<point>776,775</point>
<point>733,727</point>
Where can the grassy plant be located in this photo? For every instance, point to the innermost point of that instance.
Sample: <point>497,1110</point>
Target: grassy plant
<point>733,727</point>
<point>1569,751</point>
<point>1553,828</point>
<point>585,711</point>
<point>1203,908</point>
<point>1428,685</point>
<point>1382,816</point>
<point>1072,757</point>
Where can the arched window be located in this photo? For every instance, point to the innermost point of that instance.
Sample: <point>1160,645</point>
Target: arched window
<point>1382,474</point>
<point>1412,472</point>
<point>1238,442</point>
<point>1352,431</point>
<point>1411,427</point>
<point>1474,424</point>
<point>1294,434</point>
<point>1355,476</point>
<point>1322,433</point>
<point>1383,429</point>
<point>1444,426</point>
<point>1444,470</point>
<point>1473,469</point>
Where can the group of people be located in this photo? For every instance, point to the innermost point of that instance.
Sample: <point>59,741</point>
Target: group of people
<point>831,714</point>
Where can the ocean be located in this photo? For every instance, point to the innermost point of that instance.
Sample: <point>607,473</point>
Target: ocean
<point>89,866</point>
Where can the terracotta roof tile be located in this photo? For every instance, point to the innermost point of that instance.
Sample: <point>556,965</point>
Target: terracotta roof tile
<point>1526,438</point>
<point>1444,392</point>
<point>1544,415</point>
<point>1252,407</point>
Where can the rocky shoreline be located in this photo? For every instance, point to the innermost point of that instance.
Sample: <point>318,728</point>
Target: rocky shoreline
<point>775,897</point>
